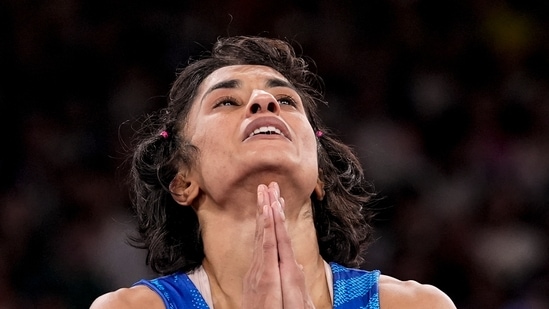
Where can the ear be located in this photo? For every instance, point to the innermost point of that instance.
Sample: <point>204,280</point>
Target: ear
<point>184,189</point>
<point>319,188</point>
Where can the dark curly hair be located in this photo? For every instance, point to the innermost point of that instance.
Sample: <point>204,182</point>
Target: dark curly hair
<point>171,233</point>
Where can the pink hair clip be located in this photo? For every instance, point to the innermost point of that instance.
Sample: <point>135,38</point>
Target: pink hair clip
<point>319,133</point>
<point>164,134</point>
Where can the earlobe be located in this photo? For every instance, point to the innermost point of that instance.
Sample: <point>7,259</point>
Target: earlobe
<point>319,188</point>
<point>183,191</point>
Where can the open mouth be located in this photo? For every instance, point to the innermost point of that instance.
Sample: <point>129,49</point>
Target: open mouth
<point>268,130</point>
<point>268,126</point>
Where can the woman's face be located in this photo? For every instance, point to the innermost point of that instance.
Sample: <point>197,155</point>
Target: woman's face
<point>248,120</point>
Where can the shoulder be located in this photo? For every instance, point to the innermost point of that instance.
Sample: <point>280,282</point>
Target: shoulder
<point>134,297</point>
<point>394,293</point>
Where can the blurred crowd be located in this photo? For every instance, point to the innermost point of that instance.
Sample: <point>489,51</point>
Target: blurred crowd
<point>446,103</point>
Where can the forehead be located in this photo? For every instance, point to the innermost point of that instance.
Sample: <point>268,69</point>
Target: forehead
<point>245,72</point>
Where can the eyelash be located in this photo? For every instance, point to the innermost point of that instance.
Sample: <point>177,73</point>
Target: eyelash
<point>221,102</point>
<point>289,99</point>
<point>285,98</point>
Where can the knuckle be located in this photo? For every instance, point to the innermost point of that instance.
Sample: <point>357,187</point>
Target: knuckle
<point>268,246</point>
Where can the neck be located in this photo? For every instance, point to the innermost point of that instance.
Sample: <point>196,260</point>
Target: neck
<point>228,237</point>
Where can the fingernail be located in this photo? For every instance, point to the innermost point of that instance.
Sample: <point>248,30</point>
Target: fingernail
<point>282,214</point>
<point>260,201</point>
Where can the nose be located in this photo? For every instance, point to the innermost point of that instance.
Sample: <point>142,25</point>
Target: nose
<point>261,101</point>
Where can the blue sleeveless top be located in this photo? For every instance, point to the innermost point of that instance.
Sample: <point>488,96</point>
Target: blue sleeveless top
<point>353,289</point>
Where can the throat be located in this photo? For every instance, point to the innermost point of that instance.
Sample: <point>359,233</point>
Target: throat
<point>224,299</point>
<point>224,289</point>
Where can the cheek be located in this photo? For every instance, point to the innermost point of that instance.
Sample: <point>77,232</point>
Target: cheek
<point>311,145</point>
<point>207,141</point>
<point>212,137</point>
<point>308,137</point>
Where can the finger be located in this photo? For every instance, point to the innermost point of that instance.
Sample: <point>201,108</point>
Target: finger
<point>274,187</point>
<point>268,244</point>
<point>283,240</point>
<point>269,280</point>
<point>261,214</point>
<point>294,290</point>
<point>265,238</point>
<point>257,254</point>
<point>277,206</point>
<point>261,285</point>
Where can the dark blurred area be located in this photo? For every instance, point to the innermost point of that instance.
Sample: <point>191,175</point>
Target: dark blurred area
<point>446,102</point>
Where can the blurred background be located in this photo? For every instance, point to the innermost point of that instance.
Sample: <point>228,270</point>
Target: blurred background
<point>446,102</point>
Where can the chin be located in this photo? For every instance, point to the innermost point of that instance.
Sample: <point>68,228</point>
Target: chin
<point>274,169</point>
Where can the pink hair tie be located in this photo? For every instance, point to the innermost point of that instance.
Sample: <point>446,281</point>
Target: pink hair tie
<point>319,133</point>
<point>164,134</point>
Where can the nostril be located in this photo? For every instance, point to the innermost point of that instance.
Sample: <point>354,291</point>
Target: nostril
<point>255,108</point>
<point>258,107</point>
<point>271,107</point>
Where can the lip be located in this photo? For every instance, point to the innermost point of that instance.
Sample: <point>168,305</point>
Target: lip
<point>266,121</point>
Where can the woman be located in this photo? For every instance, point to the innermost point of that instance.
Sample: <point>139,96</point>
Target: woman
<point>245,200</point>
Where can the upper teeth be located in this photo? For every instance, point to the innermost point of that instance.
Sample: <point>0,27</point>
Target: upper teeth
<point>268,130</point>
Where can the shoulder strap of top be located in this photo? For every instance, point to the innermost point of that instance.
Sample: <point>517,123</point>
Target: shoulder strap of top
<point>355,288</point>
<point>177,291</point>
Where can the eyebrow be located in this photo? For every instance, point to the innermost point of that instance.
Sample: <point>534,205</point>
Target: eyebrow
<point>231,83</point>
<point>277,82</point>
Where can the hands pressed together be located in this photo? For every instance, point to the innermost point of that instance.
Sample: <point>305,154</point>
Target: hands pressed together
<point>275,279</point>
